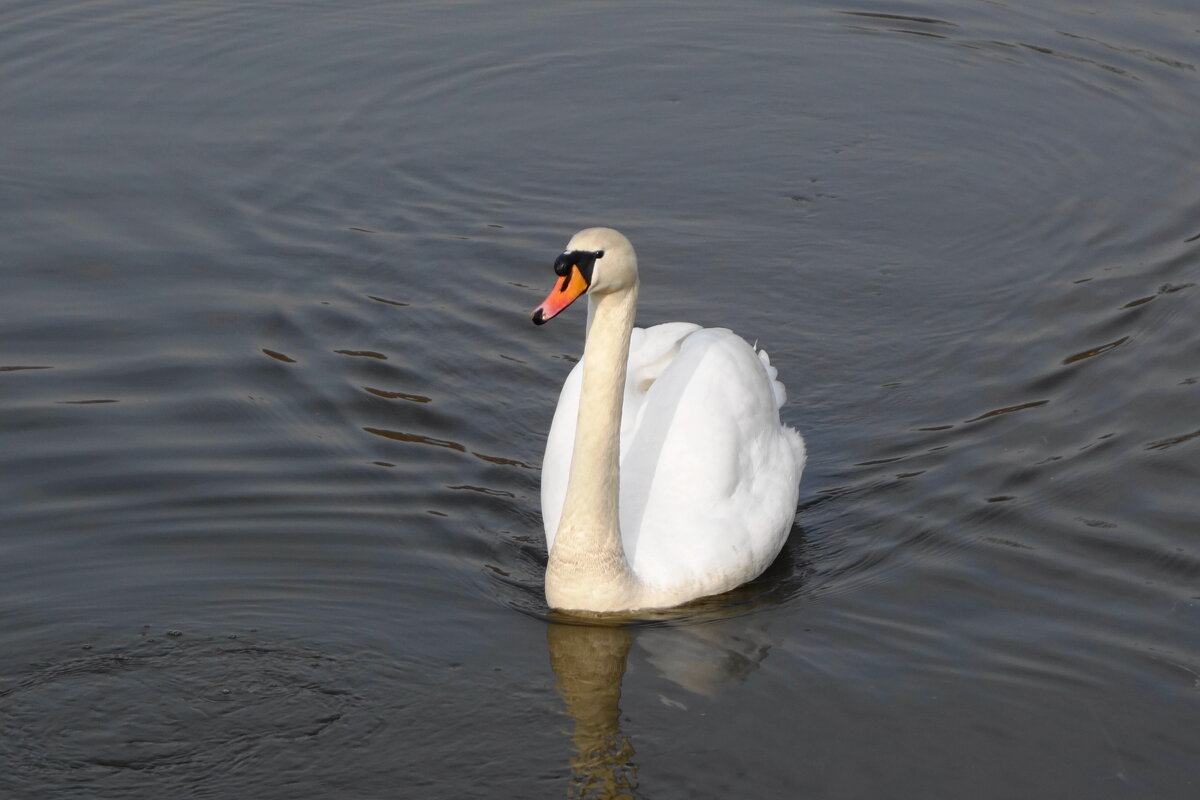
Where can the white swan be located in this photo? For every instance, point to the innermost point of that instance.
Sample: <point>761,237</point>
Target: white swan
<point>667,473</point>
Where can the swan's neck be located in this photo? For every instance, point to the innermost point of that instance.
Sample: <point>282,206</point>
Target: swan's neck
<point>588,570</point>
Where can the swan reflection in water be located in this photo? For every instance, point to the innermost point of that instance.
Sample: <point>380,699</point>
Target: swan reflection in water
<point>589,662</point>
<point>702,655</point>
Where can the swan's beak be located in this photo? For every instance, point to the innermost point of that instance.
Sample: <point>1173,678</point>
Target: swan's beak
<point>565,291</point>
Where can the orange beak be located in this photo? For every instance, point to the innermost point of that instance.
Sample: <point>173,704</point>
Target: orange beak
<point>565,291</point>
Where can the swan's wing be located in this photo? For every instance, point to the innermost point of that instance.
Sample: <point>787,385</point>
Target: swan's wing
<point>709,479</point>
<point>651,350</point>
<point>556,463</point>
<point>649,353</point>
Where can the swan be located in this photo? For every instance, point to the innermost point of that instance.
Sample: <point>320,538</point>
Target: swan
<point>667,474</point>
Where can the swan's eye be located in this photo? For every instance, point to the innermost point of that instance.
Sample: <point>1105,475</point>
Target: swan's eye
<point>599,254</point>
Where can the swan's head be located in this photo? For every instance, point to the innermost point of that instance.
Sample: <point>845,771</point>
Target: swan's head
<point>597,260</point>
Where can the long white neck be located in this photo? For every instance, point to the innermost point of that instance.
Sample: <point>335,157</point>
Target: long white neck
<point>588,570</point>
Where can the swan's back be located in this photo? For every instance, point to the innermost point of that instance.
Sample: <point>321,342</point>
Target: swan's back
<point>709,476</point>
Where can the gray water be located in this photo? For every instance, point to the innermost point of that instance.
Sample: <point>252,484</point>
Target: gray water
<point>272,410</point>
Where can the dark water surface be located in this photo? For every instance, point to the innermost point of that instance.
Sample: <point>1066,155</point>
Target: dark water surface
<point>272,410</point>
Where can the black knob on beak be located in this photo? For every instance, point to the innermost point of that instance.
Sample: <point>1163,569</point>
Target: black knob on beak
<point>584,259</point>
<point>563,264</point>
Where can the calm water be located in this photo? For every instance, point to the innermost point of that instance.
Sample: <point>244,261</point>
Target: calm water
<point>272,409</point>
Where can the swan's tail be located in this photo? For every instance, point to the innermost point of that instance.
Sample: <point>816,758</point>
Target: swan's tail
<point>793,436</point>
<point>798,449</point>
<point>772,375</point>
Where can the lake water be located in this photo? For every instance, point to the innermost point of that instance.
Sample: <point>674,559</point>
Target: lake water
<point>272,410</point>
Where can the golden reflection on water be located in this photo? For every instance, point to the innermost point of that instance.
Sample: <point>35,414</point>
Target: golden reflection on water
<point>589,662</point>
<point>702,648</point>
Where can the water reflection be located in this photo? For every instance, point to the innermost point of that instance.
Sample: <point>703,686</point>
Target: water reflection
<point>705,659</point>
<point>589,663</point>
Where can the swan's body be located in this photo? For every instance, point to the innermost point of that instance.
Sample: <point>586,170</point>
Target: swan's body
<point>667,474</point>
